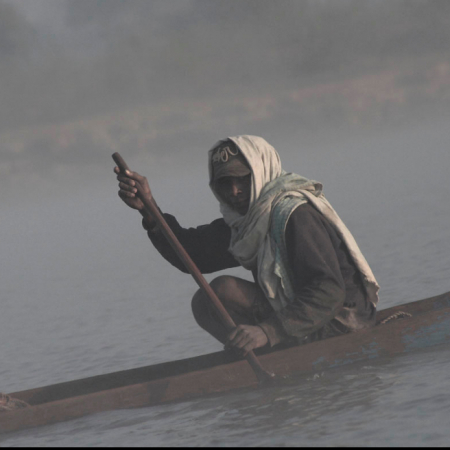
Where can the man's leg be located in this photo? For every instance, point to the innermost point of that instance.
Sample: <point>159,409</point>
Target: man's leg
<point>243,300</point>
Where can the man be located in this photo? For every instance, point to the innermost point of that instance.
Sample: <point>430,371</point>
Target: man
<point>311,280</point>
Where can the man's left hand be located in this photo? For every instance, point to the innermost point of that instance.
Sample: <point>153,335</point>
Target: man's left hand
<point>245,338</point>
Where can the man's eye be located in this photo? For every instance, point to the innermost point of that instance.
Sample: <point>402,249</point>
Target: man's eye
<point>243,179</point>
<point>223,183</point>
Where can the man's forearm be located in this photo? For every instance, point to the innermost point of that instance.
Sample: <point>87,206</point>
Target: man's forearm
<point>207,245</point>
<point>148,224</point>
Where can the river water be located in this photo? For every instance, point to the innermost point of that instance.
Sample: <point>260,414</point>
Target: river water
<point>83,293</point>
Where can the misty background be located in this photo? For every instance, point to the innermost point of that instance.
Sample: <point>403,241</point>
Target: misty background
<point>352,93</point>
<point>162,81</point>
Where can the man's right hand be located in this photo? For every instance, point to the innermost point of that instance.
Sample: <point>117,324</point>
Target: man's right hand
<point>128,182</point>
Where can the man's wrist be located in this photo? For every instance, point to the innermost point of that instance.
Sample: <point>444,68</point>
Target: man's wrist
<point>273,330</point>
<point>148,225</point>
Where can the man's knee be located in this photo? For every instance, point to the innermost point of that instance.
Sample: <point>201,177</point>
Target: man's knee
<point>225,288</point>
<point>198,305</point>
<point>206,317</point>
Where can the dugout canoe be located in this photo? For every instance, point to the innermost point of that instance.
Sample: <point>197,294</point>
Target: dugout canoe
<point>417,325</point>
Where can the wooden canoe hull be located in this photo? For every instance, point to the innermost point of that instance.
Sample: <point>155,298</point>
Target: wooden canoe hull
<point>221,372</point>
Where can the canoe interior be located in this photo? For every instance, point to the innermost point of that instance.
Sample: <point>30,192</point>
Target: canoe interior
<point>98,383</point>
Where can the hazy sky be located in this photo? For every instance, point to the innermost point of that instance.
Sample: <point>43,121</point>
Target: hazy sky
<point>80,79</point>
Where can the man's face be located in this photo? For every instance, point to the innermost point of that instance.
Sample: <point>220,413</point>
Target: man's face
<point>235,192</point>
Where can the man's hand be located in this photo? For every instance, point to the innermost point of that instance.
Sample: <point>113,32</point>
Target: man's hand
<point>245,338</point>
<point>128,188</point>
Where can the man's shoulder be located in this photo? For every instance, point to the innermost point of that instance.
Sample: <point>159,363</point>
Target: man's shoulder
<point>306,216</point>
<point>305,211</point>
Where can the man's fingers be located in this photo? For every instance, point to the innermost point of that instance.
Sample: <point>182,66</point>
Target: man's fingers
<point>232,335</point>
<point>133,179</point>
<point>250,346</point>
<point>245,338</point>
<point>127,180</point>
<point>127,187</point>
<point>241,338</point>
<point>127,172</point>
<point>126,194</point>
<point>244,342</point>
<point>235,336</point>
<point>135,176</point>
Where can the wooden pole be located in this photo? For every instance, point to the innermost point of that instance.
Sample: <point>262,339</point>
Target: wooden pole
<point>152,213</point>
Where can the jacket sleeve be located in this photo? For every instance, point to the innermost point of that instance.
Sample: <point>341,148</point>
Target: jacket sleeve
<point>207,245</point>
<point>318,282</point>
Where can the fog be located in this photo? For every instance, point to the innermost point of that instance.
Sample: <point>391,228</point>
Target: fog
<point>156,79</point>
<point>353,93</point>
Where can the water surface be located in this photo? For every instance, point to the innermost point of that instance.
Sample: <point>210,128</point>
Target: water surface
<point>83,293</point>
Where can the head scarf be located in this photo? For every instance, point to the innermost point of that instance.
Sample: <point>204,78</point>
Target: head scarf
<point>228,161</point>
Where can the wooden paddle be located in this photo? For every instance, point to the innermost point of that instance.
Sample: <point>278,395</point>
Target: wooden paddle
<point>152,213</point>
